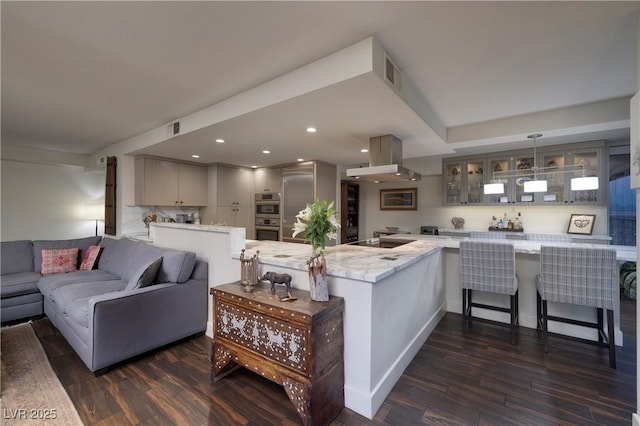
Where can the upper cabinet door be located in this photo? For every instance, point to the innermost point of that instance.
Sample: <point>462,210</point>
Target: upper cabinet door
<point>587,162</point>
<point>267,179</point>
<point>193,185</point>
<point>464,182</point>
<point>550,164</point>
<point>156,182</point>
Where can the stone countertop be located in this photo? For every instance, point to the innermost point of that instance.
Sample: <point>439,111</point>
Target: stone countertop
<point>624,253</point>
<point>368,264</point>
<point>464,232</point>
<point>192,227</point>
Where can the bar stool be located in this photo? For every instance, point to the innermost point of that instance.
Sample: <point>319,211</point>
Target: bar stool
<point>579,276</point>
<point>488,266</point>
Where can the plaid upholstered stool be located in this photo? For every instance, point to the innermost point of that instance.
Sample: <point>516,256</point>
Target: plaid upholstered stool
<point>491,267</point>
<point>579,276</point>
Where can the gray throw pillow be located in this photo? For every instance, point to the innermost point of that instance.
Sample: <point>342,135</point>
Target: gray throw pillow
<point>145,276</point>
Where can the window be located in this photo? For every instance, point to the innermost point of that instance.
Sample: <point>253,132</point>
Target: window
<point>622,199</point>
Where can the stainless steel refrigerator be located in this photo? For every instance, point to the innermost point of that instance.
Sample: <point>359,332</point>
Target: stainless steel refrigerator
<point>302,184</point>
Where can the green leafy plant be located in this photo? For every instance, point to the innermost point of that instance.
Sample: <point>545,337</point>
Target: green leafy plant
<point>318,222</point>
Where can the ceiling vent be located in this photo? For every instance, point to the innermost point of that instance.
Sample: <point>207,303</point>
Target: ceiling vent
<point>173,128</point>
<point>392,74</point>
<point>385,162</point>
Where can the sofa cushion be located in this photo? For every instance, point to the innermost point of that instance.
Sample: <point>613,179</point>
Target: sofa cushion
<point>48,284</point>
<point>125,256</point>
<point>90,259</point>
<point>177,266</point>
<point>145,276</point>
<point>19,284</point>
<point>56,261</point>
<point>63,296</point>
<point>16,257</point>
<point>78,311</point>
<point>81,243</point>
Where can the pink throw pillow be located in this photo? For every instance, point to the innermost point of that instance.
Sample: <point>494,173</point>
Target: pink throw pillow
<point>90,258</point>
<point>55,261</point>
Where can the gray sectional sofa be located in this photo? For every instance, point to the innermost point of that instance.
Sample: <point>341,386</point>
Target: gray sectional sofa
<point>139,298</point>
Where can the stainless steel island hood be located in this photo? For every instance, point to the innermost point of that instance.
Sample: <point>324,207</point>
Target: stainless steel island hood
<point>385,162</point>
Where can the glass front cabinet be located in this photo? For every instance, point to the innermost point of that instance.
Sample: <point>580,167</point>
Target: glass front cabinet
<point>580,162</point>
<point>464,179</point>
<point>464,182</point>
<point>511,171</point>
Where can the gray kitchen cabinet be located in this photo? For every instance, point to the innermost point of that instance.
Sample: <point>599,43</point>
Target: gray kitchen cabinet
<point>513,166</point>
<point>235,190</point>
<point>588,161</point>
<point>461,178</point>
<point>463,182</point>
<point>162,182</point>
<point>267,179</point>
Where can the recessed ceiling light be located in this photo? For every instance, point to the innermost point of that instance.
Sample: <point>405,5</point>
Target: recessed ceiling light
<point>220,140</point>
<point>195,156</point>
<point>311,129</point>
<point>266,151</point>
<point>364,150</point>
<point>254,167</point>
<point>300,159</point>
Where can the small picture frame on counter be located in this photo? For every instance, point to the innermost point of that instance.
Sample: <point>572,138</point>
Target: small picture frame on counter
<point>581,224</point>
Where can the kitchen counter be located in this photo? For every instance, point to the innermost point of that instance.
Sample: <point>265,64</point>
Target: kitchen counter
<point>370,264</point>
<point>624,253</point>
<point>527,267</point>
<point>394,298</point>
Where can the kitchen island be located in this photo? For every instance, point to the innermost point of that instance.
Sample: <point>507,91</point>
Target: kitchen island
<point>527,267</point>
<point>393,298</point>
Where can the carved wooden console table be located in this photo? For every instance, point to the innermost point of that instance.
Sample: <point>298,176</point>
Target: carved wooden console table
<point>298,344</point>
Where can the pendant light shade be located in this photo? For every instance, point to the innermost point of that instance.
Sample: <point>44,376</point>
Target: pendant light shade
<point>494,188</point>
<point>535,186</point>
<point>584,183</point>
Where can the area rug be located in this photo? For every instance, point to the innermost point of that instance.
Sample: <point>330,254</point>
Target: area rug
<point>31,393</point>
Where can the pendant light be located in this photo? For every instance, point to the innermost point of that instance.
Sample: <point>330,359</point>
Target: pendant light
<point>494,187</point>
<point>535,185</point>
<point>584,183</point>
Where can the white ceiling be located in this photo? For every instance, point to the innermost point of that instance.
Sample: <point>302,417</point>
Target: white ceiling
<point>80,76</point>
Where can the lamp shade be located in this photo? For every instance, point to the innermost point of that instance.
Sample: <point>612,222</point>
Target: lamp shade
<point>494,188</point>
<point>584,183</point>
<point>535,186</point>
<point>93,211</point>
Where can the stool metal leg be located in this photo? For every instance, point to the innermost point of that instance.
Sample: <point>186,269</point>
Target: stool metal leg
<point>545,338</point>
<point>539,312</point>
<point>465,327</point>
<point>600,325</point>
<point>513,312</point>
<point>612,339</point>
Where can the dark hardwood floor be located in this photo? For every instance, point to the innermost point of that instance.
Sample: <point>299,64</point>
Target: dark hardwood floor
<point>455,379</point>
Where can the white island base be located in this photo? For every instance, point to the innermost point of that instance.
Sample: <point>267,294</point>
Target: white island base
<point>394,298</point>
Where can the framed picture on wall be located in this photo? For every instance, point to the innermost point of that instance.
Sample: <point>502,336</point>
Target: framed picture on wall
<point>581,224</point>
<point>399,199</point>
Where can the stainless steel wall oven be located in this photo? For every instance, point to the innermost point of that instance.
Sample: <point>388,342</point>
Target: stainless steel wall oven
<point>268,226</point>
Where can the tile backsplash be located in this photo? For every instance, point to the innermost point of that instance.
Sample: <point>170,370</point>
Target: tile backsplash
<point>132,216</point>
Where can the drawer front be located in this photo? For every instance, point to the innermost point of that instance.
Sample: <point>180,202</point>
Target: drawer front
<point>278,340</point>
